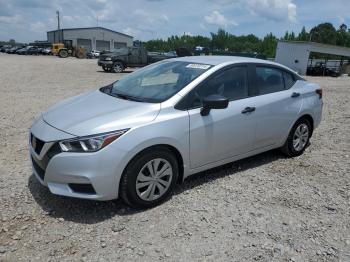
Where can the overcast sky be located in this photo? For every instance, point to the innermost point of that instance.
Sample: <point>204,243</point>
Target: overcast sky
<point>28,20</point>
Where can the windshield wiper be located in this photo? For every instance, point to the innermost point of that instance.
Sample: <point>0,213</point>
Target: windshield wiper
<point>127,97</point>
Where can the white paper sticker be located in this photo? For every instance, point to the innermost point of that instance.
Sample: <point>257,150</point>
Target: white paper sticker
<point>198,66</point>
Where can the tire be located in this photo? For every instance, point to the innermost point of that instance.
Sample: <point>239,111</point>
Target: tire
<point>138,188</point>
<point>301,131</point>
<point>106,69</point>
<point>63,53</point>
<point>118,67</point>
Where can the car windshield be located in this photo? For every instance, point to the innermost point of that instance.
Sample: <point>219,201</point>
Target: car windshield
<point>158,82</point>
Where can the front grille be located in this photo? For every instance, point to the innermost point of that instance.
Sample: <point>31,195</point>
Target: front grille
<point>36,143</point>
<point>55,149</point>
<point>41,165</point>
<point>83,188</point>
<point>38,170</point>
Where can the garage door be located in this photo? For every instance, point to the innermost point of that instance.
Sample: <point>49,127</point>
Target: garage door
<point>119,45</point>
<point>102,45</point>
<point>86,43</point>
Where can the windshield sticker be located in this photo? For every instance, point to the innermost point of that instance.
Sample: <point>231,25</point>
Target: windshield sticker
<point>198,66</point>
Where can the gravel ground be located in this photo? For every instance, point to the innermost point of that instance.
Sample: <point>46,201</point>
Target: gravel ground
<point>265,208</point>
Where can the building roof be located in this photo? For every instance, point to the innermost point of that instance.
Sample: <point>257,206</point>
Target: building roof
<point>321,48</point>
<point>87,28</point>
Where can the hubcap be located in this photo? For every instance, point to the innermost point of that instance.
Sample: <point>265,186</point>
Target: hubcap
<point>154,179</point>
<point>118,68</point>
<point>301,135</point>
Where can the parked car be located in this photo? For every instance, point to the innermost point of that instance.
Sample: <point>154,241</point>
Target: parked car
<point>22,51</point>
<point>12,50</point>
<point>119,59</point>
<point>46,51</point>
<point>4,48</point>
<point>137,137</point>
<point>93,54</point>
<point>320,69</point>
<point>28,50</point>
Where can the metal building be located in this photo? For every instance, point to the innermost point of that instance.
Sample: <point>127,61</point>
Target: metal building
<point>91,38</point>
<point>295,54</point>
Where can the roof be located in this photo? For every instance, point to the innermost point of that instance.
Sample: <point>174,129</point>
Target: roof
<point>217,60</point>
<point>87,28</point>
<point>321,48</point>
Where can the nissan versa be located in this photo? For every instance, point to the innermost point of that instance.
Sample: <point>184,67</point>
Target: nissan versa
<point>138,137</point>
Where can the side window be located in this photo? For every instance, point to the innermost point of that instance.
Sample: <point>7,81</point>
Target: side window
<point>231,83</point>
<point>288,80</point>
<point>269,80</point>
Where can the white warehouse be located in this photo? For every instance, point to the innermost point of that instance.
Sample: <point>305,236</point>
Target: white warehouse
<point>91,38</point>
<point>295,54</point>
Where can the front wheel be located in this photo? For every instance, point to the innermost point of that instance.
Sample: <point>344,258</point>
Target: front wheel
<point>63,53</point>
<point>118,67</point>
<point>298,138</point>
<point>149,178</point>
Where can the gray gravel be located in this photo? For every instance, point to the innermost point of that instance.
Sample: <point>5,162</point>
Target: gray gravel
<point>265,208</point>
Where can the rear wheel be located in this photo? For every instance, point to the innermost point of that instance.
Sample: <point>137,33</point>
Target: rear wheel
<point>118,67</point>
<point>149,178</point>
<point>298,138</point>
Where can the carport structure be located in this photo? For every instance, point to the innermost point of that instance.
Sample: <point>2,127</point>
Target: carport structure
<point>295,54</point>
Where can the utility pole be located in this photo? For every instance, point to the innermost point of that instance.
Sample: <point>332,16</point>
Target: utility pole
<point>58,20</point>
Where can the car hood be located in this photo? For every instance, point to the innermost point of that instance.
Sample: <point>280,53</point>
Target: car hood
<point>96,112</point>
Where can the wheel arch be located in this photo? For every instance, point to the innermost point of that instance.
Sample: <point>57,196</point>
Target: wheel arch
<point>169,147</point>
<point>309,118</point>
<point>120,61</point>
<point>306,116</point>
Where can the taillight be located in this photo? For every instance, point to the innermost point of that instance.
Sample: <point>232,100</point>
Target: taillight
<point>319,92</point>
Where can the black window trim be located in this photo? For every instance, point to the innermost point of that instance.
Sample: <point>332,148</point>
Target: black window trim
<point>249,67</point>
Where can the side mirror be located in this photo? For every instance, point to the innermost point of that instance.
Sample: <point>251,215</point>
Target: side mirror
<point>213,102</point>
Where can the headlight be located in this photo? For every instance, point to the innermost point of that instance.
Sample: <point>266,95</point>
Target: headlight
<point>90,143</point>
<point>108,58</point>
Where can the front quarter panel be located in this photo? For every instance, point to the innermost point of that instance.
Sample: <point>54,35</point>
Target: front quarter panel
<point>171,127</point>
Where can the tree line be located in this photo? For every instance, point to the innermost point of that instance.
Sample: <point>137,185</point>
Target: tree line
<point>222,40</point>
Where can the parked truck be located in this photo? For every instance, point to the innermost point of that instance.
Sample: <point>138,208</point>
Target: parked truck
<point>119,59</point>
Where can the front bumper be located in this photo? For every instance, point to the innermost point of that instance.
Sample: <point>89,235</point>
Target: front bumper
<point>107,64</point>
<point>81,175</point>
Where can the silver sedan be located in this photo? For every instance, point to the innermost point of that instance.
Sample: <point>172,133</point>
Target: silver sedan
<point>136,138</point>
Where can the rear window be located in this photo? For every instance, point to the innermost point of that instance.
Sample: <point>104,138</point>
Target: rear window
<point>288,80</point>
<point>269,80</point>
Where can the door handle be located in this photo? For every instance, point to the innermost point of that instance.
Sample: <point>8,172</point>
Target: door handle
<point>295,94</point>
<point>248,110</point>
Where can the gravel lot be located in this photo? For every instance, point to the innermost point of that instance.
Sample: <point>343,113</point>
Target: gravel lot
<point>265,208</point>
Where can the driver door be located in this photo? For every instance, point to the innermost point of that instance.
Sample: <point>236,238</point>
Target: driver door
<point>224,133</point>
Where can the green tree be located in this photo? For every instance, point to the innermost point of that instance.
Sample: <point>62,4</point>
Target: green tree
<point>324,33</point>
<point>303,35</point>
<point>269,45</point>
<point>343,36</point>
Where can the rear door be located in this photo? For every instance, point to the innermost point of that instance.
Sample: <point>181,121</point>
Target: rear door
<point>223,133</point>
<point>277,105</point>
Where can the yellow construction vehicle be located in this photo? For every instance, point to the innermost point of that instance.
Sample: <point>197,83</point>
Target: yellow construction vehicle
<point>66,49</point>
